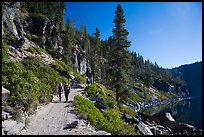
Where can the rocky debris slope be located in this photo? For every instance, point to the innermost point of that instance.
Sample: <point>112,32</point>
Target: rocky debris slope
<point>160,124</point>
<point>24,52</point>
<point>10,126</point>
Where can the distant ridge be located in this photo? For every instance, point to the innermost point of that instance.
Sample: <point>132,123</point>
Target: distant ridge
<point>192,74</point>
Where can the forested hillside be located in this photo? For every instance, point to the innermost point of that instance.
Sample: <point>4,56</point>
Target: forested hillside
<point>192,74</point>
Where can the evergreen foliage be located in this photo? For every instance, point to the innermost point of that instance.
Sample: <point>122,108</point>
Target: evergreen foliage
<point>110,120</point>
<point>68,39</point>
<point>119,60</point>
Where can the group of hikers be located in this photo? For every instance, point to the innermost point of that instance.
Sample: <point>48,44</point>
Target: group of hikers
<point>66,89</point>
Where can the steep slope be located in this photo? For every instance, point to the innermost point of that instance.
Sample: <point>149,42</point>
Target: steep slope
<point>192,74</point>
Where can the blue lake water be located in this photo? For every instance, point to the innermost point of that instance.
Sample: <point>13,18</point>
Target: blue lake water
<point>186,111</point>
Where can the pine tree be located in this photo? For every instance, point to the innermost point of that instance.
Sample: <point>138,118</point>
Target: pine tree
<point>97,56</point>
<point>67,42</point>
<point>86,41</point>
<point>119,58</point>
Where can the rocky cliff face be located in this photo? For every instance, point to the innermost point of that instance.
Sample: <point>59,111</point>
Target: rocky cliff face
<point>78,58</point>
<point>11,23</point>
<point>22,27</point>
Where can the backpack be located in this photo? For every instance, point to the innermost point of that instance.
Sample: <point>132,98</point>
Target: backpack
<point>60,89</point>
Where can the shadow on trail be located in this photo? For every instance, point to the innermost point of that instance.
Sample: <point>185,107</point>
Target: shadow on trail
<point>69,104</point>
<point>76,86</point>
<point>57,101</point>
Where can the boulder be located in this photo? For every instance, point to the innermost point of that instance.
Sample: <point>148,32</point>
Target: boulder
<point>3,132</point>
<point>15,129</point>
<point>5,94</point>
<point>144,117</point>
<point>5,115</point>
<point>144,129</point>
<point>169,117</point>
<point>164,119</point>
<point>183,128</point>
<point>129,119</point>
<point>9,124</point>
<point>5,91</point>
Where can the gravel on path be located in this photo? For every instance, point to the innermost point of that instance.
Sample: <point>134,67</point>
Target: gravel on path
<point>52,118</point>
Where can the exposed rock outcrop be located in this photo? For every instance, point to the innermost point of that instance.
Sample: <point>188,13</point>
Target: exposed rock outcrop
<point>21,25</point>
<point>5,94</point>
<point>40,30</point>
<point>11,23</point>
<point>78,58</point>
<point>10,126</point>
<point>158,124</point>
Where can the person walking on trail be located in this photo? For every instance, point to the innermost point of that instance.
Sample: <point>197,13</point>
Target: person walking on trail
<point>60,90</point>
<point>66,91</point>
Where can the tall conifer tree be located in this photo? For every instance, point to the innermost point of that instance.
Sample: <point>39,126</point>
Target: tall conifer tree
<point>119,58</point>
<point>67,42</point>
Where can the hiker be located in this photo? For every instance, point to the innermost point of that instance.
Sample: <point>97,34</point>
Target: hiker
<point>60,90</point>
<point>66,91</point>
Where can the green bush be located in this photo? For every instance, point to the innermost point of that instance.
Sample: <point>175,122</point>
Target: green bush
<point>23,86</point>
<point>32,50</point>
<point>10,39</point>
<point>61,67</point>
<point>35,49</point>
<point>91,90</point>
<point>127,110</point>
<point>110,120</point>
<point>29,83</point>
<point>52,52</point>
<point>88,111</point>
<point>102,91</point>
<point>115,124</point>
<point>45,73</point>
<point>4,51</point>
<point>80,78</point>
<point>23,9</point>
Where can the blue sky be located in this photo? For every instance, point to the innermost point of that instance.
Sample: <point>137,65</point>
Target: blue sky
<point>169,33</point>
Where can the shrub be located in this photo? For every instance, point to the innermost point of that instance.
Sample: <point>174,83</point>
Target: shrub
<point>32,50</point>
<point>10,39</point>
<point>127,110</point>
<point>91,90</point>
<point>4,51</point>
<point>35,49</point>
<point>22,84</point>
<point>110,120</point>
<point>115,124</point>
<point>80,78</point>
<point>88,111</point>
<point>52,52</point>
<point>45,73</point>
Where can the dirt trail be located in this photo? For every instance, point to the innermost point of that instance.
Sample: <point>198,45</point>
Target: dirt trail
<point>52,118</point>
